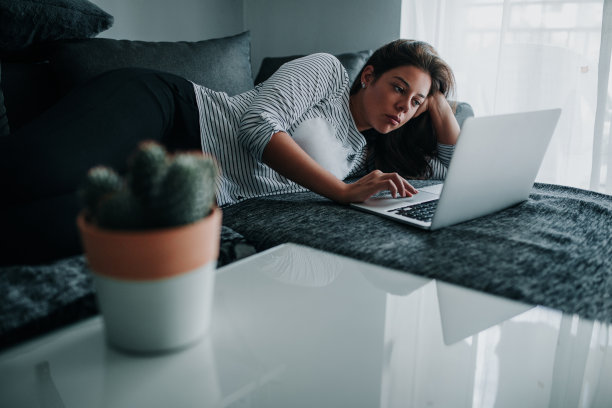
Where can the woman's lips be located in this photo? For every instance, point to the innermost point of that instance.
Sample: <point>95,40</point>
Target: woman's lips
<point>394,120</point>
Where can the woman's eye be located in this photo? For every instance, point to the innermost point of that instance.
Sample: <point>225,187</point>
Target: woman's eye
<point>416,102</point>
<point>399,89</point>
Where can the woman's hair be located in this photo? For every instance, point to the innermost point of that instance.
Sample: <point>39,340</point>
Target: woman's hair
<point>408,150</point>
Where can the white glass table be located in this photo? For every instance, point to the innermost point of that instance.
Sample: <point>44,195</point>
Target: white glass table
<point>297,327</point>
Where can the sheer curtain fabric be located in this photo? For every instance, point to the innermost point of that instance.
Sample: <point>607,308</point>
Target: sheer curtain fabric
<point>518,55</point>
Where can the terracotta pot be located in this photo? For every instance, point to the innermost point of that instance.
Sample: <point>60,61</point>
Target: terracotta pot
<point>154,287</point>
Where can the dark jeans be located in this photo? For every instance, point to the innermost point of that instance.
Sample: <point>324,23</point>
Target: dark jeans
<point>43,164</point>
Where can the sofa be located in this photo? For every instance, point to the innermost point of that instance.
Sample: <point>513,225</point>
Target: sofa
<point>555,249</point>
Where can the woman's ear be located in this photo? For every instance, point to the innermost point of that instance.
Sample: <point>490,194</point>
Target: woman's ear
<point>367,75</point>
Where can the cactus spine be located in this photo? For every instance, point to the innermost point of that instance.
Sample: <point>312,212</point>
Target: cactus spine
<point>159,190</point>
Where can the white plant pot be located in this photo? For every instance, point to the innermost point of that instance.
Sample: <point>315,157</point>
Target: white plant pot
<point>154,288</point>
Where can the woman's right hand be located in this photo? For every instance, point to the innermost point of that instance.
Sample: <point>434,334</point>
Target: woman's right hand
<point>373,183</point>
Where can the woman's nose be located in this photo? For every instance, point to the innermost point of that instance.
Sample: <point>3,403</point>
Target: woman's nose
<point>402,105</point>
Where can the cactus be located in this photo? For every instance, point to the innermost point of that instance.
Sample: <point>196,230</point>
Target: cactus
<point>121,211</point>
<point>146,169</point>
<point>100,183</point>
<point>161,190</point>
<point>178,201</point>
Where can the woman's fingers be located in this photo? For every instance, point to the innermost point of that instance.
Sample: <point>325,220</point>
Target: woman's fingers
<point>375,182</point>
<point>400,186</point>
<point>409,187</point>
<point>422,108</point>
<point>393,188</point>
<point>378,181</point>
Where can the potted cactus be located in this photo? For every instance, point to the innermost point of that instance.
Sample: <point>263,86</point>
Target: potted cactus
<point>151,240</point>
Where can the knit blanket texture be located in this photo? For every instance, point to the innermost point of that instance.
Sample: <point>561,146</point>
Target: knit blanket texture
<point>555,249</point>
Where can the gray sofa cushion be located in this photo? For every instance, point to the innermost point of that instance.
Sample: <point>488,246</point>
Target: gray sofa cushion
<point>223,64</point>
<point>463,110</point>
<point>27,22</point>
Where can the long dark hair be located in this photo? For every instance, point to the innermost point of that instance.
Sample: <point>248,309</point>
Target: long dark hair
<point>408,149</point>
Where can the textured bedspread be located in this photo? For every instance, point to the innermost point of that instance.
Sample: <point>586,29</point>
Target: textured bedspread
<point>554,249</point>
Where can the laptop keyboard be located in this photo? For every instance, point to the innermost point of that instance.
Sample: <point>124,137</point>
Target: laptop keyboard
<point>422,211</point>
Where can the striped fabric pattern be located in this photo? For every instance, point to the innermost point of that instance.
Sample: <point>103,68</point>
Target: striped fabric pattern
<point>236,129</point>
<point>439,164</point>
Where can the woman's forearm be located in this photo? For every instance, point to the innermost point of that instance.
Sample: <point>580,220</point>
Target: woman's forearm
<point>288,159</point>
<point>443,120</point>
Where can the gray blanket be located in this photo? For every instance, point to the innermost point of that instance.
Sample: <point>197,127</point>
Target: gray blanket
<point>554,249</point>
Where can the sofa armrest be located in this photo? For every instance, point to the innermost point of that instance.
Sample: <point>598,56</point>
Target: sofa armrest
<point>463,110</point>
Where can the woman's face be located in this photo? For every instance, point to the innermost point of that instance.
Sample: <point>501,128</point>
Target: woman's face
<point>392,100</point>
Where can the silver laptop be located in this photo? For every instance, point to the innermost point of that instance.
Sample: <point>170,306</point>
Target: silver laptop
<point>494,166</point>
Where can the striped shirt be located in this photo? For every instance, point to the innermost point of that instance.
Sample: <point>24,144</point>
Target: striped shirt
<point>308,98</point>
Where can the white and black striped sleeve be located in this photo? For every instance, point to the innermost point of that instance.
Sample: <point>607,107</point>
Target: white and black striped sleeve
<point>290,92</point>
<point>445,153</point>
<point>440,163</point>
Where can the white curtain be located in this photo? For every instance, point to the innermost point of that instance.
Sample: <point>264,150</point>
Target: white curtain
<point>518,55</point>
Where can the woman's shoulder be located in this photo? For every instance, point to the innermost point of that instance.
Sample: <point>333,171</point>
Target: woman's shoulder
<point>321,60</point>
<point>323,57</point>
<point>323,68</point>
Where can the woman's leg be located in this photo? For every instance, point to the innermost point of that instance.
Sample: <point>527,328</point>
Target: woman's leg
<point>44,163</point>
<point>100,123</point>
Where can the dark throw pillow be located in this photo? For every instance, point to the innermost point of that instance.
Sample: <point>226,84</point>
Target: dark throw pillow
<point>222,64</point>
<point>352,62</point>
<point>27,22</point>
<point>270,65</point>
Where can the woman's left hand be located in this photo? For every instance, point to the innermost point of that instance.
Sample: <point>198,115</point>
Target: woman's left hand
<point>435,102</point>
<point>442,117</point>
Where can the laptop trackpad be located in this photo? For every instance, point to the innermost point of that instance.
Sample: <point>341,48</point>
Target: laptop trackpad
<point>388,202</point>
<point>434,188</point>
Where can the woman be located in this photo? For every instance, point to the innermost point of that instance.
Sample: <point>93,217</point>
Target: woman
<point>411,150</point>
<point>273,136</point>
<point>310,99</point>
